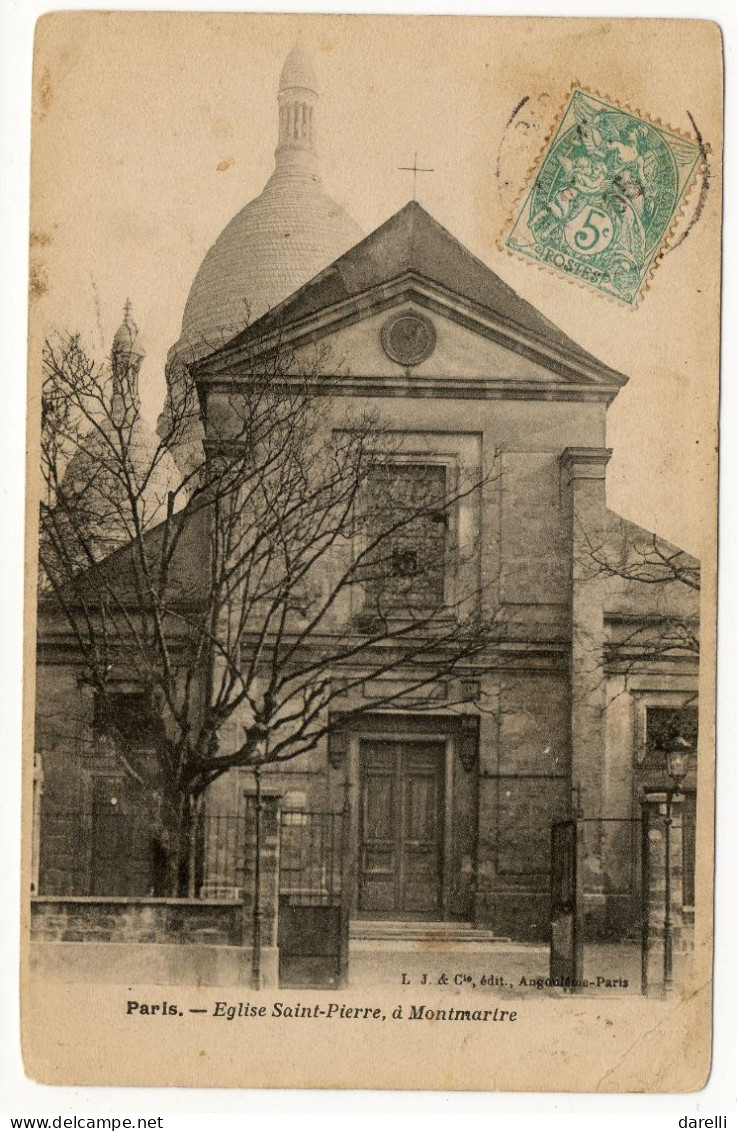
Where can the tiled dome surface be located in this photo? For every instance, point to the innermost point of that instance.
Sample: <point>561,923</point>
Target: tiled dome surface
<point>267,251</point>
<point>298,70</point>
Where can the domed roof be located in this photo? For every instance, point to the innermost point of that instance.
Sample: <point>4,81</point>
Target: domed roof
<point>127,339</point>
<point>267,251</point>
<point>298,70</point>
<point>278,241</point>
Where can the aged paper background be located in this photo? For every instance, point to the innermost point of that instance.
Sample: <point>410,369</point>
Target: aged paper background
<point>150,131</point>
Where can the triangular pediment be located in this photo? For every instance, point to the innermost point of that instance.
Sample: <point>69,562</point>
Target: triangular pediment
<point>463,349</point>
<point>484,330</point>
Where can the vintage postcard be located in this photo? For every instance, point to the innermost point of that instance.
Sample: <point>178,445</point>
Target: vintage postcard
<point>373,387</point>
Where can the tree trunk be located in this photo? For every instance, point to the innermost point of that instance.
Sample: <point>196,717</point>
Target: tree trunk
<point>179,834</point>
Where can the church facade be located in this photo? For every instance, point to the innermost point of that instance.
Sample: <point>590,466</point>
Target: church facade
<point>452,795</point>
<point>470,375</point>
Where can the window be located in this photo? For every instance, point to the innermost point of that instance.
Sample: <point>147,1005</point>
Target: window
<point>126,715</point>
<point>408,517</point>
<point>664,726</point>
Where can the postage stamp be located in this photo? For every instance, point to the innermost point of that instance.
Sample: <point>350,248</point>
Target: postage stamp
<point>603,196</point>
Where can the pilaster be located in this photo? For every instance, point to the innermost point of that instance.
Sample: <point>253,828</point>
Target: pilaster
<point>261,883</point>
<point>583,488</point>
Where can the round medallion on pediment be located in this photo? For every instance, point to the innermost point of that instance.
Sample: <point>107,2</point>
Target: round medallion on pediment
<point>408,338</point>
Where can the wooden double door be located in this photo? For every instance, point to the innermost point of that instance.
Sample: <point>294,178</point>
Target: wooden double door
<point>400,870</point>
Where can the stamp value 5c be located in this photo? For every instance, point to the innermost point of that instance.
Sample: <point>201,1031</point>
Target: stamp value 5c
<point>604,196</point>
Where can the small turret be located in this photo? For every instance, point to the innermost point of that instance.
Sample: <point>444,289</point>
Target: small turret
<point>126,357</point>
<point>127,338</point>
<point>298,95</point>
<point>121,454</point>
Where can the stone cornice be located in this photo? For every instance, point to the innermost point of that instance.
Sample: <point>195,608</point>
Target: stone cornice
<point>576,376</point>
<point>586,463</point>
<point>444,388</point>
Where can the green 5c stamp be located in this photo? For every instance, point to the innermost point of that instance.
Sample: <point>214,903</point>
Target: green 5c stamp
<point>604,196</point>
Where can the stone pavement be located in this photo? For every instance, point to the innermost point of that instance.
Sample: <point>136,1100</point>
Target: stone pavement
<point>499,968</point>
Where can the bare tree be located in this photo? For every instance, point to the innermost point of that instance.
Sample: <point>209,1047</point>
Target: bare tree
<point>306,556</point>
<point>649,592</point>
<point>640,556</point>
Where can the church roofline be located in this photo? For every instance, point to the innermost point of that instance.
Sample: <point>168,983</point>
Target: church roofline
<point>576,381</point>
<point>634,529</point>
<point>412,247</point>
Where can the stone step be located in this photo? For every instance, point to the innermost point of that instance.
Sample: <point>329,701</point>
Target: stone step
<point>431,932</point>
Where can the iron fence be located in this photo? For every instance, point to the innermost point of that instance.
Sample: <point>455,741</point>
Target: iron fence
<point>219,857</point>
<point>311,857</point>
<point>689,849</point>
<point>115,853</point>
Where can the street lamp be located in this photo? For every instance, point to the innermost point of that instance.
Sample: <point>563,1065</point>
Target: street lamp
<point>257,912</point>
<point>676,760</point>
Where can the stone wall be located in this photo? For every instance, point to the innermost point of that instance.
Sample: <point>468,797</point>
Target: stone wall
<point>112,920</point>
<point>163,942</point>
<point>204,941</point>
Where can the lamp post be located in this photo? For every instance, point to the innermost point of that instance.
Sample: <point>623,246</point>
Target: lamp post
<point>257,912</point>
<point>256,946</point>
<point>676,758</point>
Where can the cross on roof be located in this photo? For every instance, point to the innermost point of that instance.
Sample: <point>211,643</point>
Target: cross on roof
<point>414,169</point>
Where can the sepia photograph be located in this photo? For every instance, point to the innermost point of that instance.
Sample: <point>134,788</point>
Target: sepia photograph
<point>371,551</point>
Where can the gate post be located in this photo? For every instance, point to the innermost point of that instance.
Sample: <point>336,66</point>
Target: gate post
<point>662,893</point>
<point>261,883</point>
<point>566,905</point>
<point>38,788</point>
<point>346,884</point>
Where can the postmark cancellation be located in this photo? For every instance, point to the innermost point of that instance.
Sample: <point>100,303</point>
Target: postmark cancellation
<point>604,196</point>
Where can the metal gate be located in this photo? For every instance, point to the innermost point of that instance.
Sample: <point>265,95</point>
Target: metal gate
<point>598,927</point>
<point>566,942</point>
<point>313,899</point>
